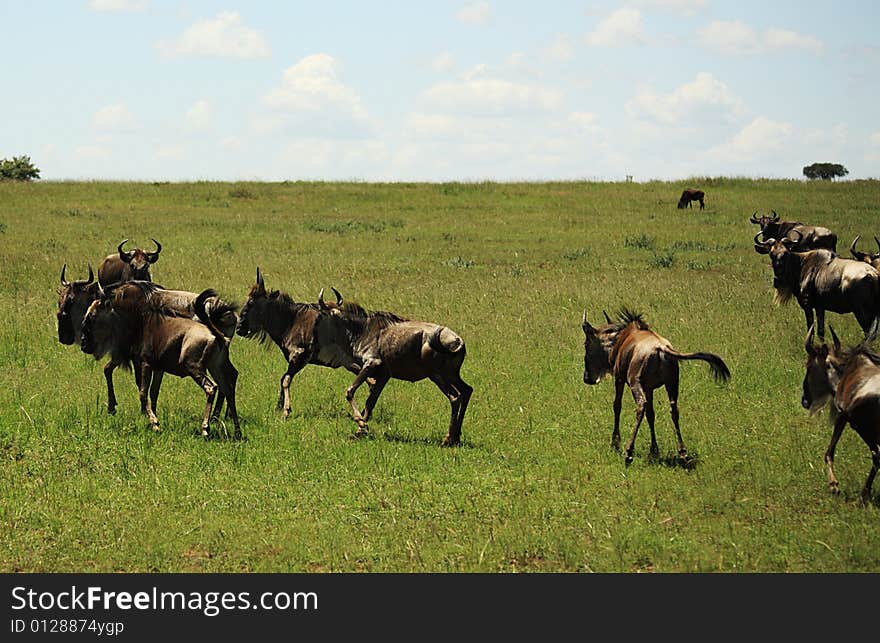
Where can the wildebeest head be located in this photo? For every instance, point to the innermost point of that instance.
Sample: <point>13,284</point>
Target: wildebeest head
<point>74,298</point>
<point>867,257</point>
<point>786,266</point>
<point>139,260</point>
<point>769,224</point>
<point>95,321</point>
<point>822,372</point>
<point>596,350</point>
<point>252,318</point>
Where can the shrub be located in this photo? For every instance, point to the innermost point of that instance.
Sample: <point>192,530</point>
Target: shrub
<point>19,168</point>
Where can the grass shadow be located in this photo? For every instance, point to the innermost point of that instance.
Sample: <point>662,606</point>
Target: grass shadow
<point>394,436</point>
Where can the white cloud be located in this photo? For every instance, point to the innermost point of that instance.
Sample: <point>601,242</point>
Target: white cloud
<point>562,48</point>
<point>704,98</point>
<point>683,7</point>
<point>200,115</point>
<point>119,6</point>
<point>759,138</point>
<point>443,62</point>
<point>621,27</point>
<point>114,118</point>
<point>91,153</point>
<point>222,36</point>
<point>231,144</point>
<point>474,14</point>
<point>480,95</point>
<point>171,152</point>
<point>739,38</point>
<point>583,120</point>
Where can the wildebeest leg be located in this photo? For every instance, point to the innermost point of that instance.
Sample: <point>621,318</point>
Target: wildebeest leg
<point>226,377</point>
<point>672,392</point>
<point>649,415</point>
<point>375,390</point>
<point>465,391</point>
<point>154,388</point>
<point>808,315</point>
<point>820,320</point>
<point>109,367</point>
<point>839,425</point>
<point>298,360</point>
<point>366,371</point>
<point>210,390</point>
<point>619,385</point>
<point>875,461</point>
<point>146,377</point>
<point>639,397</point>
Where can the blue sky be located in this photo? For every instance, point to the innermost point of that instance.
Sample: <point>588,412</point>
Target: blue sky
<point>440,90</point>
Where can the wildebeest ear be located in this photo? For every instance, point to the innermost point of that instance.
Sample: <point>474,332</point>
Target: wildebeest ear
<point>763,247</point>
<point>125,256</point>
<point>585,324</point>
<point>752,219</point>
<point>153,257</point>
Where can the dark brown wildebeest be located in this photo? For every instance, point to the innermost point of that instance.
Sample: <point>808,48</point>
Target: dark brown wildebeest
<point>689,195</point>
<point>643,360</point>
<point>821,280</point>
<point>127,266</point>
<point>129,323</point>
<point>298,329</point>
<point>852,379</point>
<point>868,257</point>
<point>75,297</point>
<point>388,346</point>
<point>811,237</point>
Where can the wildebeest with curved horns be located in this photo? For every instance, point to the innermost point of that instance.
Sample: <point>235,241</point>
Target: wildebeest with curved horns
<point>643,360</point>
<point>389,346</point>
<point>852,380</point>
<point>811,237</point>
<point>127,266</point>
<point>75,297</point>
<point>298,329</point>
<point>821,280</point>
<point>129,322</point>
<point>868,257</point>
<point>689,195</point>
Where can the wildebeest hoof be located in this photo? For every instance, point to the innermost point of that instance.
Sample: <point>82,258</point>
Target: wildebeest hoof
<point>111,410</point>
<point>628,460</point>
<point>834,488</point>
<point>449,442</point>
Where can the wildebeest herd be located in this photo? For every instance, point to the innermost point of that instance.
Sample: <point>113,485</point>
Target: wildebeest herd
<point>154,330</point>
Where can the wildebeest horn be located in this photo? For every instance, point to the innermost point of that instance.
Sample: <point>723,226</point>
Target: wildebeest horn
<point>855,253</point>
<point>260,278</point>
<point>607,318</point>
<point>809,343</point>
<point>64,283</point>
<point>834,338</point>
<point>101,292</point>
<point>338,296</point>
<point>878,242</point>
<point>125,256</point>
<point>775,216</point>
<point>153,257</point>
<point>321,299</point>
<point>91,276</point>
<point>752,219</point>
<point>789,241</point>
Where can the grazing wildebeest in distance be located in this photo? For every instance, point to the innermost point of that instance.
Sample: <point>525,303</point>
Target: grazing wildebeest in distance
<point>852,380</point>
<point>640,358</point>
<point>298,329</point>
<point>811,237</point>
<point>820,281</point>
<point>872,258</point>
<point>389,346</point>
<point>689,195</point>
<point>127,266</point>
<point>75,297</point>
<point>128,322</point>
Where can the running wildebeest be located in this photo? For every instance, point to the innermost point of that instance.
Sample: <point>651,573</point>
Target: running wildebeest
<point>852,380</point>
<point>389,346</point>
<point>298,329</point>
<point>688,195</point>
<point>821,280</point>
<point>868,257</point>
<point>129,322</point>
<point>75,297</point>
<point>127,266</point>
<point>643,360</point>
<point>811,237</point>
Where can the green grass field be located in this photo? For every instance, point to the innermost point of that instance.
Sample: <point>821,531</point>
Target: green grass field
<point>535,485</point>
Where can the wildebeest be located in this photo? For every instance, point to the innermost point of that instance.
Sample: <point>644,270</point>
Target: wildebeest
<point>852,380</point>
<point>688,195</point>
<point>868,257</point>
<point>811,237</point>
<point>640,358</point>
<point>298,329</point>
<point>127,266</point>
<point>129,322</point>
<point>821,280</point>
<point>75,297</point>
<point>388,346</point>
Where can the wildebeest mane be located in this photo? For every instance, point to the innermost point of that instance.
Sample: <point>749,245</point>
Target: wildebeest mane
<point>626,317</point>
<point>376,318</point>
<point>862,350</point>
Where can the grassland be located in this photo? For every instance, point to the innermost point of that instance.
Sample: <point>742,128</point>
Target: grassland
<point>511,267</point>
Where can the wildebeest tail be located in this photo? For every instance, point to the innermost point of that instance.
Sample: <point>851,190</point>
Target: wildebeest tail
<point>719,369</point>
<point>452,343</point>
<point>216,311</point>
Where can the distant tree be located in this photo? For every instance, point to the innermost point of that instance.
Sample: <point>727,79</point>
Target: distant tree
<point>19,168</point>
<point>825,171</point>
